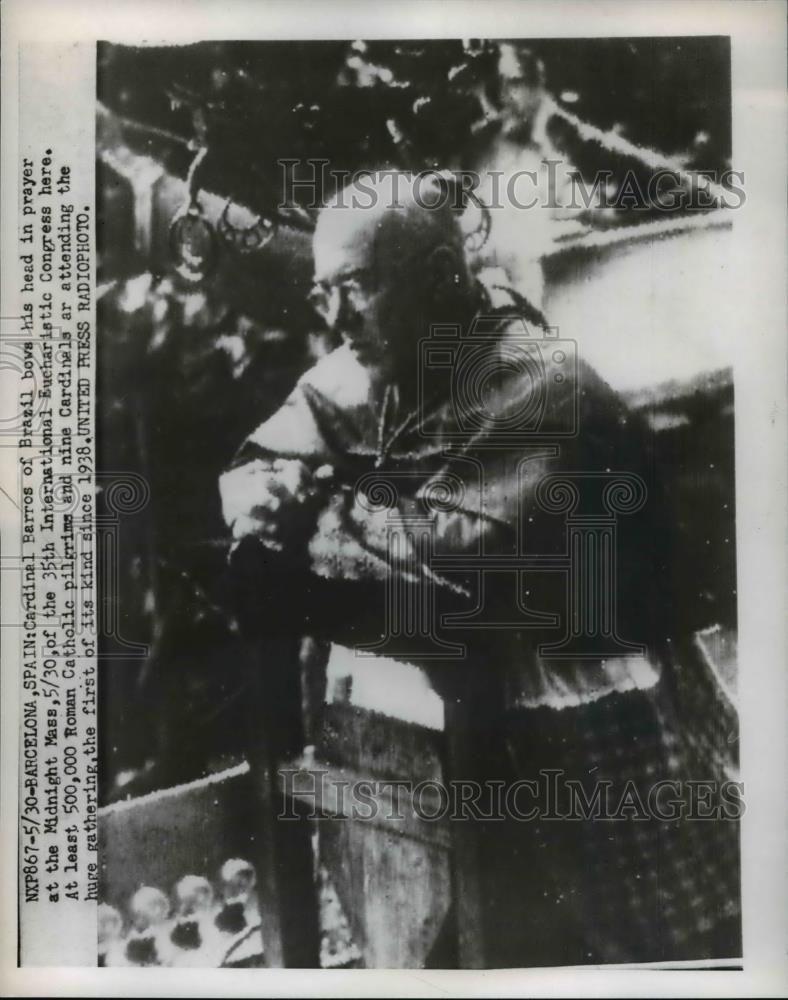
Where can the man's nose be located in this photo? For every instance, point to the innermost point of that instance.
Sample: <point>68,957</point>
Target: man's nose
<point>341,313</point>
<point>325,301</point>
<point>333,308</point>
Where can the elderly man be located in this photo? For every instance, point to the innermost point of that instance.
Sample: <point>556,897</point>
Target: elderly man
<point>376,481</point>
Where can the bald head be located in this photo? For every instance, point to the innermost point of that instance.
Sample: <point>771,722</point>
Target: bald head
<point>388,221</point>
<point>389,261</point>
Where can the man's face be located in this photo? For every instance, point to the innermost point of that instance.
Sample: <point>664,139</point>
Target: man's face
<point>521,85</point>
<point>359,291</point>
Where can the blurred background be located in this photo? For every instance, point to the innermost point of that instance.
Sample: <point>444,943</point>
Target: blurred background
<point>204,325</point>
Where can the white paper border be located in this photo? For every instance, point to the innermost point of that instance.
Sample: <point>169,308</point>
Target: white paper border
<point>757,30</point>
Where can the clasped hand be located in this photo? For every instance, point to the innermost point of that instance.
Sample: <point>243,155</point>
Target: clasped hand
<point>272,501</point>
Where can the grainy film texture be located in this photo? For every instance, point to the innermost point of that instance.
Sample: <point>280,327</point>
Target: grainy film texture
<point>415,480</point>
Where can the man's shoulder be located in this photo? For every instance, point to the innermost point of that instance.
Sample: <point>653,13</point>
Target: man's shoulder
<point>505,302</point>
<point>535,371</point>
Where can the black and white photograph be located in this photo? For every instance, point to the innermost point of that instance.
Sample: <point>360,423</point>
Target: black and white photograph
<point>392,452</point>
<point>415,447</point>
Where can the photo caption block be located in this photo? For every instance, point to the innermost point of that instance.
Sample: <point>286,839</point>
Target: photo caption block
<point>49,342</point>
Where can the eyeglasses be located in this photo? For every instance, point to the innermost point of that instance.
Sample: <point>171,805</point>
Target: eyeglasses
<point>352,287</point>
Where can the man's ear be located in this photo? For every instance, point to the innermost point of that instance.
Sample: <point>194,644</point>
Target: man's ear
<point>444,270</point>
